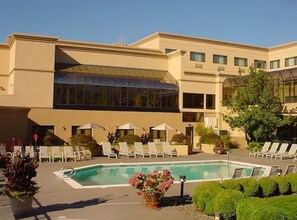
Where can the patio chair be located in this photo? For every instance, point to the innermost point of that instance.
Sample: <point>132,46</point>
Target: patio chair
<point>274,171</point>
<point>79,153</point>
<point>4,152</point>
<point>107,151</point>
<point>167,150</point>
<point>17,150</point>
<point>153,150</point>
<point>29,150</point>
<point>265,148</point>
<point>56,153</point>
<point>290,154</point>
<point>69,153</point>
<point>44,154</point>
<point>87,154</point>
<point>124,150</point>
<point>238,173</point>
<point>291,168</point>
<point>256,172</point>
<point>282,150</point>
<point>139,150</point>
<point>272,150</point>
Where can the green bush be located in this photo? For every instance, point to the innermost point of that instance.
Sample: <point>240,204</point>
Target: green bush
<point>250,187</point>
<point>226,201</point>
<point>86,141</point>
<point>201,130</point>
<point>268,186</point>
<point>232,184</point>
<point>210,138</point>
<point>292,178</point>
<point>257,209</point>
<point>180,139</point>
<point>204,193</point>
<point>255,146</point>
<point>283,185</point>
<point>130,139</point>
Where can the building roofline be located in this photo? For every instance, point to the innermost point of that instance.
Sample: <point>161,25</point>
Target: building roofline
<point>195,39</point>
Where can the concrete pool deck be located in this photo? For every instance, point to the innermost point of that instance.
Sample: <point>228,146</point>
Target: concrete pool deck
<point>58,200</point>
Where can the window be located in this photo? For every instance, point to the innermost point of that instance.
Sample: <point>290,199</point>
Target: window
<point>261,64</point>
<point>168,50</point>
<point>75,130</point>
<point>193,100</point>
<point>274,64</point>
<point>238,61</point>
<point>210,101</point>
<point>291,61</point>
<point>219,59</point>
<point>193,116</point>
<point>196,56</point>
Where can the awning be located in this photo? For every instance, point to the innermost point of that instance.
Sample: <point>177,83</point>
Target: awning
<point>114,76</point>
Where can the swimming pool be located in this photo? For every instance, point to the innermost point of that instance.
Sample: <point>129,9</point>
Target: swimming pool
<point>113,175</point>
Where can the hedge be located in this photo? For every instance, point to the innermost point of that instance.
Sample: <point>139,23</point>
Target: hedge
<point>232,185</point>
<point>292,178</point>
<point>268,186</point>
<point>226,201</point>
<point>283,185</point>
<point>256,209</point>
<point>250,187</point>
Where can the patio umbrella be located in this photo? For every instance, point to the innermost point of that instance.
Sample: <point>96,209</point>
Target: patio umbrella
<point>90,126</point>
<point>163,127</point>
<point>128,126</point>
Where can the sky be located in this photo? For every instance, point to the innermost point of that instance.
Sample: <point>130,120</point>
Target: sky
<point>254,22</point>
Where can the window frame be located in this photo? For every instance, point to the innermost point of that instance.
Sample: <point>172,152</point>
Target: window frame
<point>216,59</point>
<point>199,54</point>
<point>237,63</point>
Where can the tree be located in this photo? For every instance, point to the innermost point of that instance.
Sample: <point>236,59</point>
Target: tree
<point>256,108</point>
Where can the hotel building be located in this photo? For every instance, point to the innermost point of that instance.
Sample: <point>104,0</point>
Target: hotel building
<point>50,84</point>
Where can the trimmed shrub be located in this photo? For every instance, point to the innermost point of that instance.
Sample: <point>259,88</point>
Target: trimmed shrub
<point>86,141</point>
<point>268,186</point>
<point>179,139</point>
<point>256,209</point>
<point>292,178</point>
<point>204,193</point>
<point>249,186</point>
<point>255,146</point>
<point>130,139</point>
<point>209,138</point>
<point>232,185</point>
<point>283,185</point>
<point>226,201</point>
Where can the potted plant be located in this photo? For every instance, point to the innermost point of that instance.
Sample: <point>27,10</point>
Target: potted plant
<point>19,186</point>
<point>152,186</point>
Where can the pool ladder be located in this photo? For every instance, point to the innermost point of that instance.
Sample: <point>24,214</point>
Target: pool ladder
<point>66,172</point>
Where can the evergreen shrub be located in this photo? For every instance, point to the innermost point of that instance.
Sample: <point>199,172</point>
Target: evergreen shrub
<point>292,178</point>
<point>283,185</point>
<point>250,187</point>
<point>268,186</point>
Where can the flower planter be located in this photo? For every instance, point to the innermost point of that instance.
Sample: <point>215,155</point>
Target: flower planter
<point>208,148</point>
<point>181,149</point>
<point>152,200</point>
<point>21,206</point>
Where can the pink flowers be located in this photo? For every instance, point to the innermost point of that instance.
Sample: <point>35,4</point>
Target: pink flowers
<point>158,182</point>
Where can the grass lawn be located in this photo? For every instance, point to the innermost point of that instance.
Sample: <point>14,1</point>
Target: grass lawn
<point>288,203</point>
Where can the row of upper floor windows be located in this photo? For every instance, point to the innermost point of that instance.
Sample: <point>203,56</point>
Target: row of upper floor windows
<point>239,61</point>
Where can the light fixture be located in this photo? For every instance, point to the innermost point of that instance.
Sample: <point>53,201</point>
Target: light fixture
<point>279,171</point>
<point>182,179</point>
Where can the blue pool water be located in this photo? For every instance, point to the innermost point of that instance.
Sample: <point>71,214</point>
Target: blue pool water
<point>119,174</point>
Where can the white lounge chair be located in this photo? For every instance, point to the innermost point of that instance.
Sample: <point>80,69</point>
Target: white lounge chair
<point>69,153</point>
<point>291,168</point>
<point>272,150</point>
<point>44,154</point>
<point>139,150</point>
<point>282,150</point>
<point>290,154</point>
<point>124,150</point>
<point>79,152</point>
<point>56,153</point>
<point>238,173</point>
<point>265,148</point>
<point>107,151</point>
<point>256,172</point>
<point>274,171</point>
<point>29,150</point>
<point>167,150</point>
<point>153,150</point>
<point>4,152</point>
<point>87,154</point>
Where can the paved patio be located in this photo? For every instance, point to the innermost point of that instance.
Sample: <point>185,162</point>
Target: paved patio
<point>58,200</point>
